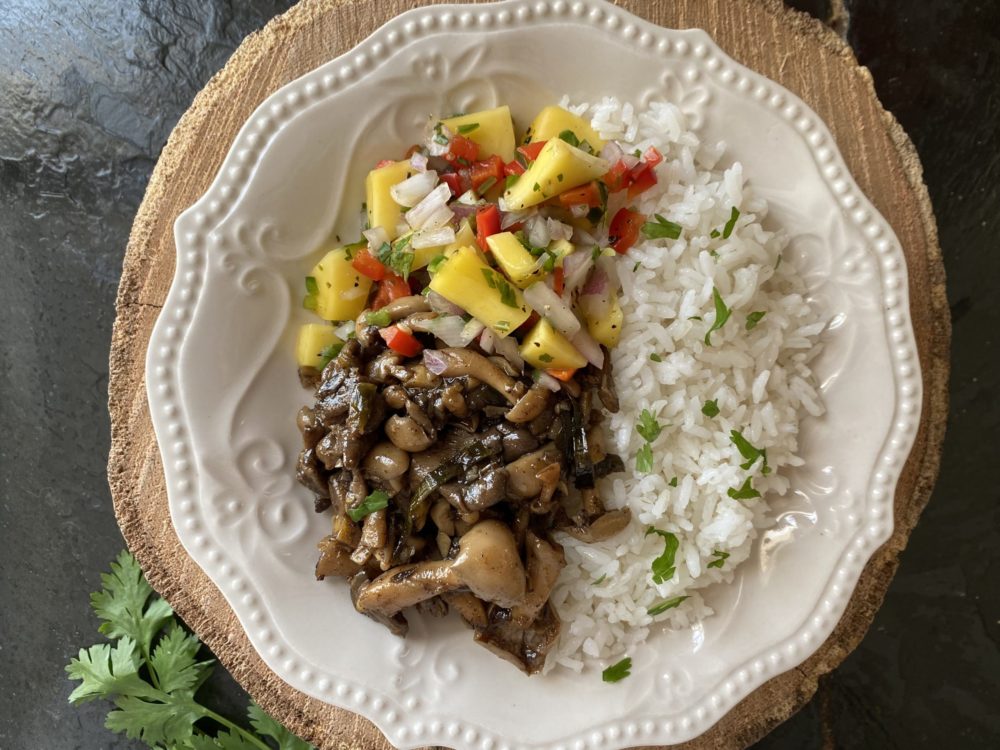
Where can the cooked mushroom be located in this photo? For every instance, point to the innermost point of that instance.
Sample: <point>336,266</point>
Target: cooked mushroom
<point>487,564</point>
<point>468,606</point>
<point>406,306</point>
<point>545,562</point>
<point>452,362</point>
<point>386,461</point>
<point>335,559</point>
<point>406,434</point>
<point>395,622</point>
<point>524,647</point>
<point>488,489</point>
<point>604,527</point>
<point>530,405</point>
<point>522,479</point>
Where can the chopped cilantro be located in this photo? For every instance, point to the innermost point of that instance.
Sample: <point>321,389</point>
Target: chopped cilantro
<point>545,357</point>
<point>618,672</point>
<point>601,579</point>
<point>379,318</point>
<point>644,459</point>
<point>694,317</point>
<point>663,566</point>
<point>511,179</point>
<point>375,501</point>
<point>659,609</point>
<point>309,302</point>
<point>749,452</point>
<point>648,427</point>
<point>490,280</point>
<point>673,481</point>
<point>754,318</point>
<point>570,137</point>
<point>507,295</point>
<point>655,357</point>
<point>720,559</point>
<point>636,266</point>
<point>710,409</point>
<point>435,265</point>
<point>715,233</point>
<point>329,353</point>
<point>731,224</point>
<point>468,127</point>
<point>396,257</point>
<point>595,253</point>
<point>661,228</point>
<point>745,492</point>
<point>439,137</point>
<point>536,187</point>
<point>722,314</point>
<point>311,286</point>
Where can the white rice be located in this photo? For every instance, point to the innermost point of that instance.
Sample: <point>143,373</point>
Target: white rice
<point>760,379</point>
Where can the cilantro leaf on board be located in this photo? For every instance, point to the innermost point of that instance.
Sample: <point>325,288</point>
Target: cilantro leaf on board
<point>265,726</point>
<point>122,604</point>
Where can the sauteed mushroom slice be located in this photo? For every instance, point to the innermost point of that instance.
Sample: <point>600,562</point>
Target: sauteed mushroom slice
<point>395,622</point>
<point>545,561</point>
<point>487,564</point>
<point>334,559</point>
<point>522,481</point>
<point>524,647</point>
<point>454,362</point>
<point>530,405</point>
<point>604,527</point>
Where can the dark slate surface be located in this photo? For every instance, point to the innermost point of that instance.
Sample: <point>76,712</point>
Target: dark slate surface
<point>89,90</point>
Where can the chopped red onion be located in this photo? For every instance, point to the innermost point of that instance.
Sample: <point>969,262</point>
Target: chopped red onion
<point>513,217</point>
<point>461,210</point>
<point>547,381</point>
<point>597,283</point>
<point>549,304</point>
<point>418,161</point>
<point>434,361</point>
<point>575,268</point>
<point>451,329</point>
<point>538,231</point>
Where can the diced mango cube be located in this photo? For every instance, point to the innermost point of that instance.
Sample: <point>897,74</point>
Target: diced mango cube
<point>383,211</point>
<point>492,129</point>
<point>546,348</point>
<point>559,167</point>
<point>607,330</point>
<point>315,340</point>
<point>341,292</point>
<point>554,120</point>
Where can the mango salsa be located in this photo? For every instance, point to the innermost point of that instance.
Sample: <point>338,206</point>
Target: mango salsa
<point>465,280</point>
<point>608,329</point>
<point>547,349</point>
<point>315,340</point>
<point>554,120</point>
<point>491,129</point>
<point>559,167</point>
<point>521,266</point>
<point>341,292</point>
<point>383,211</point>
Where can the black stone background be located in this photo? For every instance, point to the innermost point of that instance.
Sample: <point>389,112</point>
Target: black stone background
<point>89,91</point>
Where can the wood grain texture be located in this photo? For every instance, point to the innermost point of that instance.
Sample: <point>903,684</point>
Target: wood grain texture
<point>782,44</point>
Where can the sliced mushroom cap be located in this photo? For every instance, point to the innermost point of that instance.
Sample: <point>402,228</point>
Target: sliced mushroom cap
<point>487,564</point>
<point>522,475</point>
<point>395,622</point>
<point>545,561</point>
<point>406,306</point>
<point>406,434</point>
<point>524,647</point>
<point>486,490</point>
<point>452,362</point>
<point>386,461</point>
<point>335,559</point>
<point>530,405</point>
<point>611,523</point>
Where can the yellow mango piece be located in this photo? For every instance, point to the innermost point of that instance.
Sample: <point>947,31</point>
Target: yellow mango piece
<point>492,129</point>
<point>554,120</point>
<point>608,329</point>
<point>464,237</point>
<point>465,280</point>
<point>313,339</point>
<point>559,167</point>
<point>341,292</point>
<point>383,211</point>
<point>547,349</point>
<point>513,258</point>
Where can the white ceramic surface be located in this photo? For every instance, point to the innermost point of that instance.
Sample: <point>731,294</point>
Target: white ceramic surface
<point>223,390</point>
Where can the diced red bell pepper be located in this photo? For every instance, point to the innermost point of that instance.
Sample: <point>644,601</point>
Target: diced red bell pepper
<point>368,265</point>
<point>587,194</point>
<point>487,223</point>
<point>530,151</point>
<point>624,229</point>
<point>529,323</point>
<point>640,180</point>
<point>384,163</point>
<point>563,374</point>
<point>392,287</point>
<point>400,341</point>
<point>558,280</point>
<point>462,149</point>
<point>513,168</point>
<point>454,182</point>
<point>483,171</point>
<point>615,177</point>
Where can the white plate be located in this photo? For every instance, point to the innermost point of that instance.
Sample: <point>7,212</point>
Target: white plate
<point>223,390</point>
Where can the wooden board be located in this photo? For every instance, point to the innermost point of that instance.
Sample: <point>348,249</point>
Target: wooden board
<point>782,44</point>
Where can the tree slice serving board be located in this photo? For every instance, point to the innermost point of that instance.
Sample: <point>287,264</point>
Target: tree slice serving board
<point>782,44</point>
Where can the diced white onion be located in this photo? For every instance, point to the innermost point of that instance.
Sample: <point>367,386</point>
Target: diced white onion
<point>451,329</point>
<point>612,152</point>
<point>583,238</point>
<point>579,210</point>
<point>576,266</point>
<point>413,189</point>
<point>538,232</point>
<point>418,161</point>
<point>472,329</point>
<point>432,237</point>
<point>589,348</point>
<point>417,217</point>
<point>507,348</point>
<point>433,147</point>
<point>630,160</point>
<point>487,341</point>
<point>558,230</point>
<point>376,237</point>
<point>344,330</point>
<point>546,302</point>
<point>547,381</point>
<point>513,217</point>
<point>468,198</point>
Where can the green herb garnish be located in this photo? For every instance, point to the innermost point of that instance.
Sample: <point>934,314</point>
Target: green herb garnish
<point>309,302</point>
<point>601,579</point>
<point>486,185</point>
<point>754,318</point>
<point>673,481</point>
<point>511,179</point>
<point>488,275</point>
<point>663,566</point>
<point>655,357</point>
<point>661,228</point>
<point>311,286</point>
<point>570,137</point>
<point>329,353</point>
<point>435,265</point>
<point>749,452</point>
<point>618,672</point>
<point>714,233</point>
<point>745,492</point>
<point>731,224</point>
<point>722,314</point>
<point>152,673</point>
<point>595,253</point>
<point>507,295</point>
<point>636,266</point>
<point>375,501</point>
<point>659,609</point>
<point>644,459</point>
<point>536,187</point>
<point>648,427</point>
<point>439,137</point>
<point>710,409</point>
<point>720,559</point>
<point>396,257</point>
<point>468,127</point>
<point>378,318</point>
<point>502,326</point>
<point>544,357</point>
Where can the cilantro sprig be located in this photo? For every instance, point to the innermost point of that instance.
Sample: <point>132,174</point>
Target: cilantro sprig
<point>663,567</point>
<point>661,229</point>
<point>722,314</point>
<point>152,673</point>
<point>618,672</point>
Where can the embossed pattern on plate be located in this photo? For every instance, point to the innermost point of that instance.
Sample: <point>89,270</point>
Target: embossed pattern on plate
<point>223,391</point>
